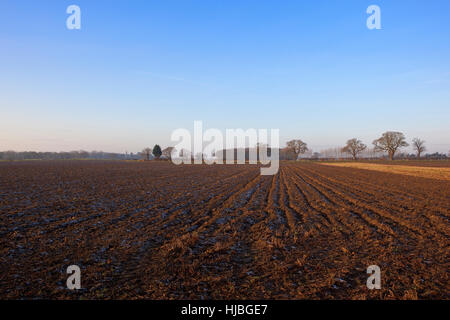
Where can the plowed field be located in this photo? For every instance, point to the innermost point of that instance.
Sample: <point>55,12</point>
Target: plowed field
<point>156,230</point>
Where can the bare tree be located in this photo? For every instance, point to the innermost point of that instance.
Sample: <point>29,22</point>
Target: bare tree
<point>167,152</point>
<point>354,147</point>
<point>389,142</point>
<point>419,146</point>
<point>146,153</point>
<point>297,146</point>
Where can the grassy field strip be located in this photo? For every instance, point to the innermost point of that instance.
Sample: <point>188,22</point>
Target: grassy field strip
<point>424,172</point>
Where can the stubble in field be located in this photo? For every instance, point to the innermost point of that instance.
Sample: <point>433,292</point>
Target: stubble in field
<point>441,173</point>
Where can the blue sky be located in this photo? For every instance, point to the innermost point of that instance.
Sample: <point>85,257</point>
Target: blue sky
<point>137,70</point>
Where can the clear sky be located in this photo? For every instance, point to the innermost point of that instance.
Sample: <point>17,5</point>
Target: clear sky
<point>137,70</point>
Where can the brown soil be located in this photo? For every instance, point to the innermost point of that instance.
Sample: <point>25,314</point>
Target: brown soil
<point>159,231</point>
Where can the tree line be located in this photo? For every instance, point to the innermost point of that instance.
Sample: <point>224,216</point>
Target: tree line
<point>71,155</point>
<point>389,143</point>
